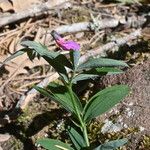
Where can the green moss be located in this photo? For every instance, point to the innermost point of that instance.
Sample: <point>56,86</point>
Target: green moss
<point>144,143</point>
<point>96,136</point>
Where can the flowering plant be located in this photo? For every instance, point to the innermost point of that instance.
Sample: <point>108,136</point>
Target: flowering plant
<point>63,93</point>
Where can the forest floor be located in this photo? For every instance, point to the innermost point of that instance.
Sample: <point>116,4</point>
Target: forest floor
<point>121,31</point>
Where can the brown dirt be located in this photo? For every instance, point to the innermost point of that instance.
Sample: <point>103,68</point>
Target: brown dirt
<point>136,106</point>
<point>18,77</point>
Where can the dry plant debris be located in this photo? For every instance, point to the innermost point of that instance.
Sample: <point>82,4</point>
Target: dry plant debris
<point>96,26</point>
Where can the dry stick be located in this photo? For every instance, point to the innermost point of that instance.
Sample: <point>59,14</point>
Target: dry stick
<point>108,47</point>
<point>25,99</point>
<point>35,10</point>
<point>96,25</point>
<point>86,26</point>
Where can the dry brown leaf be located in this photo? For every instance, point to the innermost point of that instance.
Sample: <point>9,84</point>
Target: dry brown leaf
<point>5,5</point>
<point>4,137</point>
<point>19,5</point>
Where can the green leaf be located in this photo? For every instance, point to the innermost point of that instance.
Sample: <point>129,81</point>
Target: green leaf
<point>56,60</point>
<point>40,49</point>
<point>31,54</point>
<point>101,62</point>
<point>103,71</point>
<point>16,54</point>
<point>62,102</point>
<point>81,77</point>
<point>59,64</point>
<point>62,60</point>
<point>42,91</point>
<point>75,56</point>
<point>104,100</point>
<point>61,93</point>
<point>76,138</point>
<point>112,145</point>
<point>108,70</point>
<point>51,144</point>
<point>59,67</point>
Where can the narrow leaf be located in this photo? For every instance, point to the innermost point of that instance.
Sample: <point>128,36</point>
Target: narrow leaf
<point>104,100</point>
<point>76,138</point>
<point>103,71</point>
<point>14,55</point>
<point>61,93</point>
<point>75,55</point>
<point>109,70</point>
<point>62,102</point>
<point>112,145</point>
<point>40,49</point>
<point>59,64</point>
<point>31,54</point>
<point>101,62</point>
<point>83,77</point>
<point>51,144</point>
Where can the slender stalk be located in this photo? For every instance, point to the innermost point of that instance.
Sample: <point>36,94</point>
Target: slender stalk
<point>74,104</point>
<point>85,135</point>
<point>83,125</point>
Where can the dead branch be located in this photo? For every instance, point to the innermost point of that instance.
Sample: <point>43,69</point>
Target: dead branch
<point>96,25</point>
<point>86,26</point>
<point>25,99</point>
<point>35,10</point>
<point>108,47</point>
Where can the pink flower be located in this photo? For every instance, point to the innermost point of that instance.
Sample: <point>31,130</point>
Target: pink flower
<point>65,45</point>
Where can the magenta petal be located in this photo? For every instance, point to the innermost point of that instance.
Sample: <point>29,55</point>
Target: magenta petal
<point>71,45</point>
<point>65,45</point>
<point>68,45</point>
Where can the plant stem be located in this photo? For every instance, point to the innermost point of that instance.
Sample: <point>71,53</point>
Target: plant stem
<point>85,135</point>
<point>74,103</point>
<point>83,125</point>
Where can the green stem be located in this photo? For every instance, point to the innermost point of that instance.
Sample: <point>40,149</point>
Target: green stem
<point>74,103</point>
<point>83,125</point>
<point>86,135</point>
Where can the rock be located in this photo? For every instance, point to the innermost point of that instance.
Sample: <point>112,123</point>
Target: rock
<point>136,106</point>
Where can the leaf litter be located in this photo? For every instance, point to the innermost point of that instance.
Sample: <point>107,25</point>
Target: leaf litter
<point>20,74</point>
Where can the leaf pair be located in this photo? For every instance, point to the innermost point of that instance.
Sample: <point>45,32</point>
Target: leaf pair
<point>51,144</point>
<point>104,100</point>
<point>95,67</point>
<point>97,105</point>
<point>61,95</point>
<point>80,144</point>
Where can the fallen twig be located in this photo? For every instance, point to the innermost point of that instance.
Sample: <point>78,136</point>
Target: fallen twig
<point>100,24</point>
<point>86,26</point>
<point>108,47</point>
<point>25,99</point>
<point>35,10</point>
